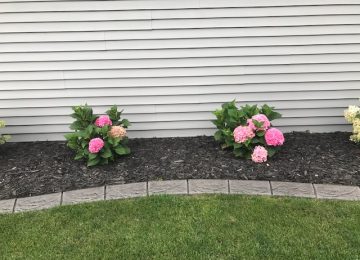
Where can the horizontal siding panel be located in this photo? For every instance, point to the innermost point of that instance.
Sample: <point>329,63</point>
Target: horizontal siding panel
<point>255,22</point>
<point>85,16</point>
<point>75,26</point>
<point>233,32</point>
<point>178,14</point>
<point>256,12</point>
<point>183,99</point>
<point>180,23</point>
<point>54,46</point>
<point>51,37</point>
<point>180,81</point>
<point>177,90</point>
<point>178,34</point>
<point>266,3</point>
<point>179,63</point>
<point>135,5</point>
<point>181,72</point>
<point>292,108</point>
<point>180,53</point>
<point>181,43</point>
<point>95,6</point>
<point>234,42</point>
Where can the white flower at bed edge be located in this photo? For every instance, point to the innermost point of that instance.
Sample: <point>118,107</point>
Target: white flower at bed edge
<point>351,113</point>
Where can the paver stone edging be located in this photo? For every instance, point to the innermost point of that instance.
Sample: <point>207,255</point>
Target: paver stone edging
<point>187,187</point>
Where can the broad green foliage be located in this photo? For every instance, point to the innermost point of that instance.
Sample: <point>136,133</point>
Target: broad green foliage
<point>3,138</point>
<point>106,135</point>
<point>229,117</point>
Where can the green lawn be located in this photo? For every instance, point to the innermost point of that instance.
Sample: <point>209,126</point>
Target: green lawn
<point>187,227</point>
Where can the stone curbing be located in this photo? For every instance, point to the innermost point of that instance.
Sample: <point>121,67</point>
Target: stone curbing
<point>184,187</point>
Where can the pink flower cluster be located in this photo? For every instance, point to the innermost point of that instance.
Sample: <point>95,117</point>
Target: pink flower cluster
<point>102,121</point>
<point>261,119</point>
<point>243,133</point>
<point>95,145</point>
<point>259,154</point>
<point>273,136</point>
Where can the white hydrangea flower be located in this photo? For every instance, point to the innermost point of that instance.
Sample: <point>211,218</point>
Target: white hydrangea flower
<point>355,138</point>
<point>356,125</point>
<point>351,113</point>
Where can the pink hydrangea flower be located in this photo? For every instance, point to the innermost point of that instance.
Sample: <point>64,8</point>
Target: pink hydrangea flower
<point>243,133</point>
<point>95,145</point>
<point>102,121</point>
<point>260,118</point>
<point>274,137</point>
<point>259,154</point>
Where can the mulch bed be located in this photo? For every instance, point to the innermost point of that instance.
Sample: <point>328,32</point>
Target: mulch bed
<point>28,169</point>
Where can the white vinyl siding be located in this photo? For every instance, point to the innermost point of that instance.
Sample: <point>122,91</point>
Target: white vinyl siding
<point>169,63</point>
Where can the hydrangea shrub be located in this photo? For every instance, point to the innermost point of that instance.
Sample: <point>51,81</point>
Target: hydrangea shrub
<point>3,138</point>
<point>98,139</point>
<point>352,115</point>
<point>248,131</point>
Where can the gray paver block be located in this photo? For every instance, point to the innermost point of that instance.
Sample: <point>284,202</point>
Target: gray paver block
<point>208,186</point>
<point>293,189</point>
<point>250,187</point>
<point>84,195</point>
<point>6,206</point>
<point>168,187</point>
<point>38,202</point>
<point>327,191</point>
<point>122,191</point>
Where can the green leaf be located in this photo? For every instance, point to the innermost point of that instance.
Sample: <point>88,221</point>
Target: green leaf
<point>271,151</point>
<point>258,124</point>
<point>106,153</point>
<point>114,114</point>
<point>239,153</point>
<point>71,136</point>
<point>218,135</point>
<point>79,155</point>
<point>104,161</point>
<point>105,130</point>
<point>93,156</point>
<point>125,123</point>
<point>122,150</point>
<point>260,133</point>
<point>237,146</point>
<point>93,162</point>
<point>73,144</point>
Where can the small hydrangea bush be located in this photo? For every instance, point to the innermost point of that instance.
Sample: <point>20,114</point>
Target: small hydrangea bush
<point>3,138</point>
<point>352,115</point>
<point>98,139</point>
<point>248,131</point>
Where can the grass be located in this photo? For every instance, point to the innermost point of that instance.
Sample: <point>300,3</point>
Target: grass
<point>188,227</point>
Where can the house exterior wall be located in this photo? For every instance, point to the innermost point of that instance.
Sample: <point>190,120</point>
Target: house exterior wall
<point>169,63</point>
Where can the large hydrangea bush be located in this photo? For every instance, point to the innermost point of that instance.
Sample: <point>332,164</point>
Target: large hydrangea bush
<point>248,131</point>
<point>98,139</point>
<point>3,138</point>
<point>352,115</point>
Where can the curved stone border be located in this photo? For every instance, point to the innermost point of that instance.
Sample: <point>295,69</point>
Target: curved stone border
<point>185,187</point>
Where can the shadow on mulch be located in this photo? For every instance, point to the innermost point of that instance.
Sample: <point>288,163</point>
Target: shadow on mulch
<point>45,167</point>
